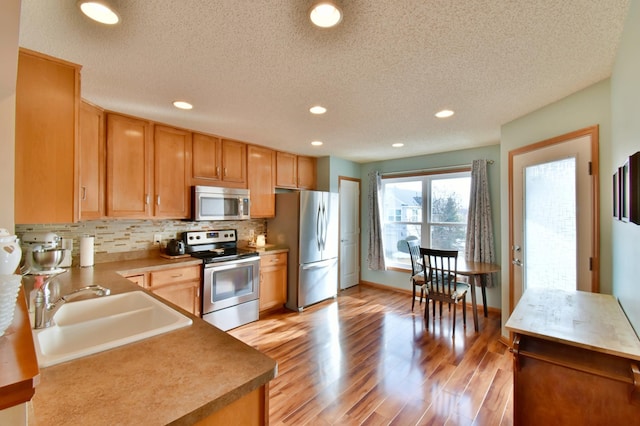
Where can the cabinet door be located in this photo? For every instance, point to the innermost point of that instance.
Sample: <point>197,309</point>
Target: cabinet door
<point>186,295</point>
<point>261,167</point>
<point>273,281</point>
<point>306,172</point>
<point>129,164</point>
<point>46,155</point>
<point>171,148</point>
<point>92,162</point>
<point>234,163</point>
<point>207,159</point>
<point>139,279</point>
<point>286,170</point>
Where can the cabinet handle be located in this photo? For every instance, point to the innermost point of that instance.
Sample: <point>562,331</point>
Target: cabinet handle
<point>225,171</point>
<point>176,276</point>
<point>146,199</point>
<point>158,199</point>
<point>84,193</point>
<point>218,171</point>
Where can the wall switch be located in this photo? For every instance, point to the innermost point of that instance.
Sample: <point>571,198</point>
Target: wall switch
<point>156,239</point>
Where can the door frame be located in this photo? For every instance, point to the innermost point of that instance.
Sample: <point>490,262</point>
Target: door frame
<point>592,132</point>
<point>357,213</point>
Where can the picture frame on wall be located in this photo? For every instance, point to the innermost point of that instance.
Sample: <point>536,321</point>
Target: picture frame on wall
<point>616,195</point>
<point>633,188</point>
<point>624,191</point>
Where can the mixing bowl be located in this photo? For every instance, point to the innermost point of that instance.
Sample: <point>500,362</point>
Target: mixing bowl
<point>47,259</point>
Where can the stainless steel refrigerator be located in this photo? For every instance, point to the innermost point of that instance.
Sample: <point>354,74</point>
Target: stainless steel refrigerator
<point>307,222</point>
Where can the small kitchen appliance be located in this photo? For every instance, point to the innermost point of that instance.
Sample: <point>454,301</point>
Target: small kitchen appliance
<point>48,256</point>
<point>175,247</point>
<point>230,278</point>
<point>214,203</point>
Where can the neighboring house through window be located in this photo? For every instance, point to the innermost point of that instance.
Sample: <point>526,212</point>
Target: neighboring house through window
<point>430,208</point>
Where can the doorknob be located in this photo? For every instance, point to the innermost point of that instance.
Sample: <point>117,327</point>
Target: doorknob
<point>516,262</point>
<point>516,248</point>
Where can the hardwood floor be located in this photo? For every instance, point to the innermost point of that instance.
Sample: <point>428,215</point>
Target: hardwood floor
<point>365,358</point>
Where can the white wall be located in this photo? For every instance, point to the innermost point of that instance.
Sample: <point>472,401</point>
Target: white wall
<point>582,109</point>
<point>625,106</point>
<point>9,31</point>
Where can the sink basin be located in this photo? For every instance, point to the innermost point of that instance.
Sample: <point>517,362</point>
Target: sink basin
<point>94,325</point>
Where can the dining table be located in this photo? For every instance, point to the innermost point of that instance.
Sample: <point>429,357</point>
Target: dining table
<point>475,270</point>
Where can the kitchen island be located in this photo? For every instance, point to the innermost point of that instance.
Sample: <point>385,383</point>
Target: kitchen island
<point>576,359</point>
<point>195,374</point>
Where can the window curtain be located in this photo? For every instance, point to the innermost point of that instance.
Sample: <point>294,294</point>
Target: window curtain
<point>479,243</point>
<point>375,257</point>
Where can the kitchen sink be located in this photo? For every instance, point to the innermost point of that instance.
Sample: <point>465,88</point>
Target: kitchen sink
<point>94,325</point>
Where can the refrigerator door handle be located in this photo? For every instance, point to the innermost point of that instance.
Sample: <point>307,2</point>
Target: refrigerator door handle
<point>316,265</point>
<point>319,227</point>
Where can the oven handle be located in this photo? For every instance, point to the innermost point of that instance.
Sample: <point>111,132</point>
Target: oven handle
<point>231,263</point>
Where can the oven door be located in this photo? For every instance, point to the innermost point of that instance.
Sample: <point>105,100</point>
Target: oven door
<point>230,283</point>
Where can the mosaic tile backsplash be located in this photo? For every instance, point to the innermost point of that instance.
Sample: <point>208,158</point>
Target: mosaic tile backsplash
<point>119,236</point>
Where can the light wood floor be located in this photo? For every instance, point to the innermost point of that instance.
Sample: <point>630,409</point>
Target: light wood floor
<point>365,358</point>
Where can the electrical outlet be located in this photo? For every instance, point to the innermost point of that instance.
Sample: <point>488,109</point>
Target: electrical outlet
<point>156,239</point>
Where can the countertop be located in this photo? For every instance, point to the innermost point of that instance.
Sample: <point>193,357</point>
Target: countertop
<point>586,320</point>
<point>178,377</point>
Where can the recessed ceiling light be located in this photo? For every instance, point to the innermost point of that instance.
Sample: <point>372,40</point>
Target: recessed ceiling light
<point>182,105</point>
<point>325,14</point>
<point>317,109</point>
<point>316,143</point>
<point>444,113</point>
<point>99,11</point>
<point>397,145</point>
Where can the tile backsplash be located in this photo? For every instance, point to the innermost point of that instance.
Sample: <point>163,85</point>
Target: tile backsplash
<point>119,236</point>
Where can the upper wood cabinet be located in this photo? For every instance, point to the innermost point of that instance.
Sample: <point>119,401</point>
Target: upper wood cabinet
<point>172,162</point>
<point>46,139</point>
<point>129,164</point>
<point>92,162</point>
<point>218,162</point>
<point>306,172</point>
<point>261,175</point>
<point>295,171</point>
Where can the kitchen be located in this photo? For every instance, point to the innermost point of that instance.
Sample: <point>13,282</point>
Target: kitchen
<point>616,142</point>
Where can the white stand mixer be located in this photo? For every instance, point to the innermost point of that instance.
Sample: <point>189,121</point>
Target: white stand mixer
<point>38,242</point>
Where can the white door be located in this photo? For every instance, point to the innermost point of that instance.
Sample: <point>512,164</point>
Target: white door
<point>349,231</point>
<point>553,196</point>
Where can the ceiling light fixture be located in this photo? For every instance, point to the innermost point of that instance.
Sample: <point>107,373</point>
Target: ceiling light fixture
<point>317,110</point>
<point>325,14</point>
<point>100,11</point>
<point>444,113</point>
<point>397,145</point>
<point>316,143</point>
<point>182,105</point>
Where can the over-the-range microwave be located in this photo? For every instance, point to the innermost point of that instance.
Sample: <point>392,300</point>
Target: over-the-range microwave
<point>215,203</point>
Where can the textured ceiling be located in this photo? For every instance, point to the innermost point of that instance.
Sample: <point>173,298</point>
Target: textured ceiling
<point>252,68</point>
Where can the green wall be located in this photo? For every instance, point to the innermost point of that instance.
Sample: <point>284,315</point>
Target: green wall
<point>453,158</point>
<point>625,106</point>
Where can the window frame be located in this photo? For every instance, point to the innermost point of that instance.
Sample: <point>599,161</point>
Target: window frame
<point>425,224</point>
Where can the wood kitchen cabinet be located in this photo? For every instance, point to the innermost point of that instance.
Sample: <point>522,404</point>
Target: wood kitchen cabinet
<point>295,171</point>
<point>261,180</point>
<point>273,281</point>
<point>575,360</point>
<point>46,139</point>
<point>147,169</point>
<point>92,161</point>
<point>218,162</point>
<point>180,286</point>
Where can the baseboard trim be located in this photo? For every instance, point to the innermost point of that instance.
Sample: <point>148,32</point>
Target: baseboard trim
<point>409,292</point>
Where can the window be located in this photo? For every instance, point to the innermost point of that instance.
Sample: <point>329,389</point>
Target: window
<point>429,208</point>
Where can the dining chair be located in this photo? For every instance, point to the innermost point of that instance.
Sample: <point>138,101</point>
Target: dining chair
<point>417,270</point>
<point>441,283</point>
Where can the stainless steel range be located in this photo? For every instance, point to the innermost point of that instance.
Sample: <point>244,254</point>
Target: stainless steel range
<point>231,276</point>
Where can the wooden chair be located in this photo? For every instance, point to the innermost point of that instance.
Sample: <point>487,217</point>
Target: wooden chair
<point>441,284</point>
<point>417,270</point>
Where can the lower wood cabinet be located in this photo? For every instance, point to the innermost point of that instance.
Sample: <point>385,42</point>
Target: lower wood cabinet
<point>273,281</point>
<point>180,286</point>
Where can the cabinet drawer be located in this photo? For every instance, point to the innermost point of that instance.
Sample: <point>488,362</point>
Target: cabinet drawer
<point>170,276</point>
<point>273,260</point>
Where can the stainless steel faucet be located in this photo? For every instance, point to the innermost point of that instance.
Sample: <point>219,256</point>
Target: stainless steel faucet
<point>45,309</point>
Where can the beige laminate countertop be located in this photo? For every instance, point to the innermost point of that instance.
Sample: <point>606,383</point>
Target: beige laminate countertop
<point>177,377</point>
<point>586,320</point>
